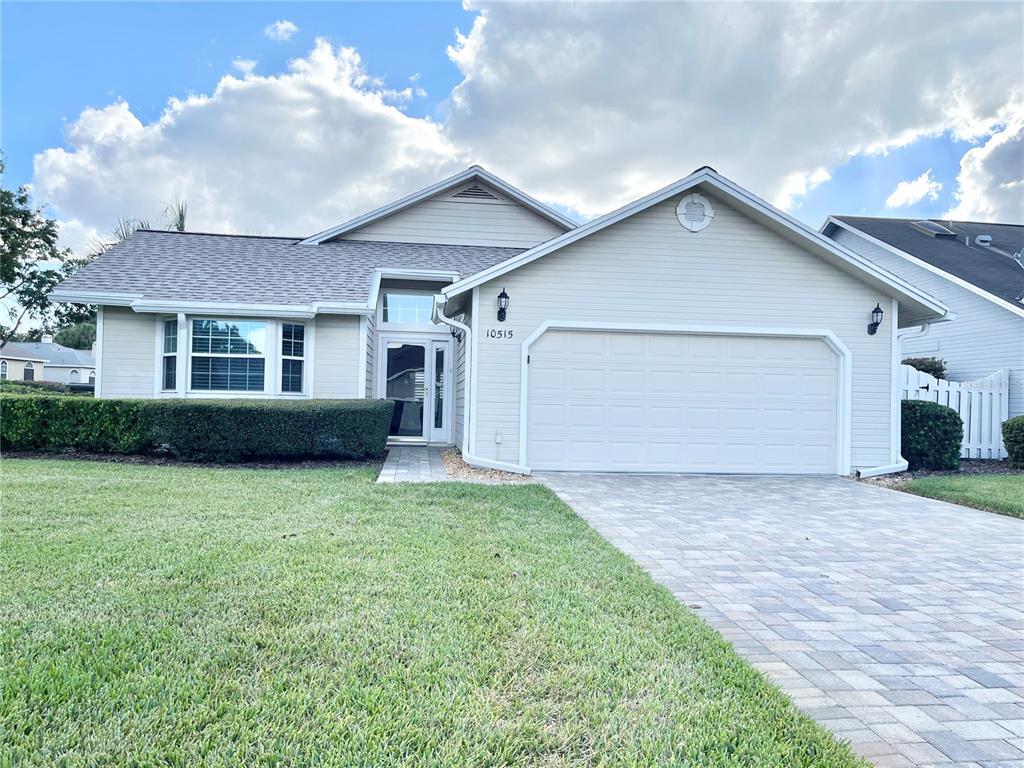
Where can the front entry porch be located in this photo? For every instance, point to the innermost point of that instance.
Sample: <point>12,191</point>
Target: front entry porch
<point>416,373</point>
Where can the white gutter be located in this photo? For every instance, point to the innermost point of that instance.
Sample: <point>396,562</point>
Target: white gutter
<point>440,301</point>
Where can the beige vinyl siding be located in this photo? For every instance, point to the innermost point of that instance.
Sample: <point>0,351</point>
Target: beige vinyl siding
<point>983,338</point>
<point>461,379</point>
<point>336,357</point>
<point>462,222</point>
<point>129,353</point>
<point>371,356</point>
<point>648,269</point>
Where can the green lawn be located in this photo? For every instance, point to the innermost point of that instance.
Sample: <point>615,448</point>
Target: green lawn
<point>180,616</point>
<point>996,493</point>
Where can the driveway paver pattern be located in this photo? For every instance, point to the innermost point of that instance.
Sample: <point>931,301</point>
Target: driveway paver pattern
<point>895,621</point>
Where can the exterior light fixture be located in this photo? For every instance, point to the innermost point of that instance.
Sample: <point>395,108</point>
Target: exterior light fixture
<point>502,305</point>
<point>456,333</point>
<point>876,319</point>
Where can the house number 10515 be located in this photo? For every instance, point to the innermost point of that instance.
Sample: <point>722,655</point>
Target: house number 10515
<point>494,333</point>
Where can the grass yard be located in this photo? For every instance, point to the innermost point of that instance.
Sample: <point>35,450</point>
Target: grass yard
<point>996,493</point>
<point>178,616</point>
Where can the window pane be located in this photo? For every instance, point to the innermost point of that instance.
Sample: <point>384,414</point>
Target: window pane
<point>228,337</point>
<point>225,373</point>
<point>408,308</point>
<point>291,375</point>
<point>170,372</point>
<point>170,336</point>
<point>293,340</point>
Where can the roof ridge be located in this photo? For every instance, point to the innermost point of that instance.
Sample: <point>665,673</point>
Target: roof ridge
<point>295,238</point>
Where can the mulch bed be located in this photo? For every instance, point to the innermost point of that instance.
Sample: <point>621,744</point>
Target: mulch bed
<point>167,460</point>
<point>967,467</point>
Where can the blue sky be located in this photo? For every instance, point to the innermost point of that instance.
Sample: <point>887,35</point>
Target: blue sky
<point>536,117</point>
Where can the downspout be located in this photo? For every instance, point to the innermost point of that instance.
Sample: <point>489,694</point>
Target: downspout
<point>440,301</point>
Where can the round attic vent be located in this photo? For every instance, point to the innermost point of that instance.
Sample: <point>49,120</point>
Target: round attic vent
<point>695,212</point>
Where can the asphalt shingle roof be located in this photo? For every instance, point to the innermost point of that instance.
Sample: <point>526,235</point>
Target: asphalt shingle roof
<point>54,354</point>
<point>992,271</point>
<point>189,266</point>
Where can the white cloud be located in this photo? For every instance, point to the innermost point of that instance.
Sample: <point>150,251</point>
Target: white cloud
<point>584,105</point>
<point>990,186</point>
<point>285,154</point>
<point>245,66</point>
<point>591,104</point>
<point>281,29</point>
<point>914,191</point>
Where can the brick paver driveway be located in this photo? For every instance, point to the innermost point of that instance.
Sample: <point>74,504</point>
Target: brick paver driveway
<point>896,621</point>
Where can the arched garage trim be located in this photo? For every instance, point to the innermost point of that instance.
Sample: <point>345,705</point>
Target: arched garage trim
<point>844,374</point>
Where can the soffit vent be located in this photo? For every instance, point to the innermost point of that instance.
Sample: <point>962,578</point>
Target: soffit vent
<point>475,192</point>
<point>695,212</point>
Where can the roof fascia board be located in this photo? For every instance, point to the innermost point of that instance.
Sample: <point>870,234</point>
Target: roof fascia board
<point>19,357</point>
<point>94,297</point>
<point>236,309</point>
<point>958,281</point>
<point>471,173</point>
<point>901,288</point>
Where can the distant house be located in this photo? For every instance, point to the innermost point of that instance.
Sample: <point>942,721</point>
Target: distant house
<point>46,361</point>
<point>973,268</point>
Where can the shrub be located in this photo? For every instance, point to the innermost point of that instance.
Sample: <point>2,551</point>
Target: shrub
<point>932,435</point>
<point>11,386</point>
<point>933,366</point>
<point>54,423</point>
<point>1013,439</point>
<point>233,430</point>
<point>203,430</point>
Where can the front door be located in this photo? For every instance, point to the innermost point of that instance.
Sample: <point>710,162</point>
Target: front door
<point>416,375</point>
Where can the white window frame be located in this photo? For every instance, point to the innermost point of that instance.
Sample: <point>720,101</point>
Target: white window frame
<point>411,327</point>
<point>3,370</point>
<point>28,367</point>
<point>164,354</point>
<point>272,357</point>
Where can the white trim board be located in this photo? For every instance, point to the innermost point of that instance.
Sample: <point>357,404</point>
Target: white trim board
<point>844,372</point>
<point>474,172</point>
<point>958,281</point>
<point>817,242</point>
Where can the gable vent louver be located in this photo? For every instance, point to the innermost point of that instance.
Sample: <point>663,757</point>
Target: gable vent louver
<point>475,192</point>
<point>695,212</point>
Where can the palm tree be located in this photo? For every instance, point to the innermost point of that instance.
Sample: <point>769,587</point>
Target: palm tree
<point>175,215</point>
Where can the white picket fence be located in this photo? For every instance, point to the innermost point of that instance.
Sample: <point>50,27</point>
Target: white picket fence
<point>983,405</point>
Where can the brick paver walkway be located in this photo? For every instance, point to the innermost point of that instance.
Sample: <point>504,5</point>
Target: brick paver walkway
<point>896,621</point>
<point>413,464</point>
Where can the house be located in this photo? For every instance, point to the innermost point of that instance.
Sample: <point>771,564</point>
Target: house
<point>18,364</point>
<point>696,329</point>
<point>973,268</point>
<point>61,364</point>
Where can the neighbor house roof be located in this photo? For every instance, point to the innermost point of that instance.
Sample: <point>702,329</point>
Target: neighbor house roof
<point>917,304</point>
<point>155,265</point>
<point>473,173</point>
<point>52,354</point>
<point>993,269</point>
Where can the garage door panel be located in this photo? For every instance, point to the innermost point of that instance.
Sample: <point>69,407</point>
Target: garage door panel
<point>672,402</point>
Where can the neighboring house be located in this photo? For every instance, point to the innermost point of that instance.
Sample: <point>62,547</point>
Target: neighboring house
<point>697,329</point>
<point>974,269</point>
<point>18,364</point>
<point>59,364</point>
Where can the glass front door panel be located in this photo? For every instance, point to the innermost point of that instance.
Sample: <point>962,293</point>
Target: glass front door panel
<point>406,385</point>
<point>439,388</point>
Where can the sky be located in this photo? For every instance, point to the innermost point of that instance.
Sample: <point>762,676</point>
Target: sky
<point>288,118</point>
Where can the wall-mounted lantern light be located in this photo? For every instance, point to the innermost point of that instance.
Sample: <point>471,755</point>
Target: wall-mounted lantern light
<point>502,305</point>
<point>876,319</point>
<point>456,333</point>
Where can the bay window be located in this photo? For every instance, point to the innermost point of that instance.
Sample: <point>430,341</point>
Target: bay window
<point>228,355</point>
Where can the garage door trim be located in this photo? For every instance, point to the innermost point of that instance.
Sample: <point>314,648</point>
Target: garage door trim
<point>844,375</point>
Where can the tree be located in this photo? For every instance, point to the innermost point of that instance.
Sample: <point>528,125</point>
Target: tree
<point>175,215</point>
<point>31,262</point>
<point>77,336</point>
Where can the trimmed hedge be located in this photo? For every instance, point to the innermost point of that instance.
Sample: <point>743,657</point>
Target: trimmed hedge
<point>16,387</point>
<point>933,366</point>
<point>1013,439</point>
<point>233,430</point>
<point>932,435</point>
<point>56,423</point>
<point>202,430</point>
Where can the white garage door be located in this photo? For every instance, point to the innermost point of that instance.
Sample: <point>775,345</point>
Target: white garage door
<point>615,401</point>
